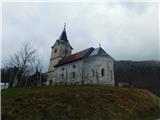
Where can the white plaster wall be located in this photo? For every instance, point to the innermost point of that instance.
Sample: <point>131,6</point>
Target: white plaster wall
<point>96,64</point>
<point>85,67</point>
<point>67,72</point>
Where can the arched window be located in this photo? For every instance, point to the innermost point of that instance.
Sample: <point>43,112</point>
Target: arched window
<point>62,69</point>
<point>111,75</point>
<point>73,74</point>
<point>62,76</point>
<point>74,66</point>
<point>92,72</point>
<point>102,72</point>
<point>50,82</point>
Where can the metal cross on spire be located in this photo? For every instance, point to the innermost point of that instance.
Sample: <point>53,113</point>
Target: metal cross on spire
<point>99,45</point>
<point>64,25</point>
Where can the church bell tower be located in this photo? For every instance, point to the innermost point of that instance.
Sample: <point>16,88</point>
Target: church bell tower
<point>60,49</point>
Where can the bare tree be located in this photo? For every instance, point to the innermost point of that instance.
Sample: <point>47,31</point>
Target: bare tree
<point>37,69</point>
<point>22,61</point>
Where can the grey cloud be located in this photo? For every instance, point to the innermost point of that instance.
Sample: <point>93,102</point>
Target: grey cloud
<point>126,31</point>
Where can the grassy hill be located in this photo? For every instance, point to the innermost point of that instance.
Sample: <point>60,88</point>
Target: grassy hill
<point>79,102</point>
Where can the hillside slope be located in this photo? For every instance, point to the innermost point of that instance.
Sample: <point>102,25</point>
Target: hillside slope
<point>79,102</point>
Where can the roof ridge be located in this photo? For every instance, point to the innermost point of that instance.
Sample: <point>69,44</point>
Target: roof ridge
<point>76,56</point>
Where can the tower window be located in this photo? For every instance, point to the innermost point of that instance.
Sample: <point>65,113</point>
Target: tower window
<point>73,74</point>
<point>55,50</point>
<point>102,72</point>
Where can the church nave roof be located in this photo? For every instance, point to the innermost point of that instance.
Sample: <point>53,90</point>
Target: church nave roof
<point>89,52</point>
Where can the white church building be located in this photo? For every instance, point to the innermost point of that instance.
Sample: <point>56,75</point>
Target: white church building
<point>89,66</point>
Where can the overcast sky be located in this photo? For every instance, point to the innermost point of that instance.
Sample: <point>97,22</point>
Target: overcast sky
<point>126,30</point>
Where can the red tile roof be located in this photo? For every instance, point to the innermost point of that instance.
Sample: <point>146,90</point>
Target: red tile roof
<point>76,56</point>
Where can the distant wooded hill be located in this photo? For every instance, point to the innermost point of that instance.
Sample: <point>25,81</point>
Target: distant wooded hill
<point>139,74</point>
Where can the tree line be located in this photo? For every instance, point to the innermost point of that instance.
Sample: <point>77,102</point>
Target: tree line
<point>139,74</point>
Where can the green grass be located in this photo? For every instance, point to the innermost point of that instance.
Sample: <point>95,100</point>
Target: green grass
<point>79,103</point>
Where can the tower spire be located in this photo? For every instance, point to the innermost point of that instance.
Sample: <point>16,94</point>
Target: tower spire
<point>63,35</point>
